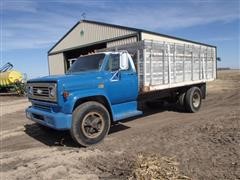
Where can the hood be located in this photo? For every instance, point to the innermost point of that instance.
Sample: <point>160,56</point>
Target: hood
<point>72,81</point>
<point>64,77</point>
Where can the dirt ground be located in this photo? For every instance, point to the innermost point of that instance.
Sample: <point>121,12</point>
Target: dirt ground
<point>205,144</point>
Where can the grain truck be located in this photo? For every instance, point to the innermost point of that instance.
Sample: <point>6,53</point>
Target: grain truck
<point>113,84</point>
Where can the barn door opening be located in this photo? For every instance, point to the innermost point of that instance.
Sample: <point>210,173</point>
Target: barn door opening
<point>71,55</point>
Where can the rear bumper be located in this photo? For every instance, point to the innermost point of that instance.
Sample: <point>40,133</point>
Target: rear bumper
<point>59,121</point>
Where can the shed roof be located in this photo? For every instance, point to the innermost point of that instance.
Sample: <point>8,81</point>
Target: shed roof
<point>137,30</point>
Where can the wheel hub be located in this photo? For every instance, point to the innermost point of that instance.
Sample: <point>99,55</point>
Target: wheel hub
<point>196,99</point>
<point>92,124</point>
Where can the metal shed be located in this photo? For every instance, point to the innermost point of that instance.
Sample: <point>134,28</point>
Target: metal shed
<point>88,36</point>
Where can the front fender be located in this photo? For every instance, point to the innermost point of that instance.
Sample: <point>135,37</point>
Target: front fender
<point>74,96</point>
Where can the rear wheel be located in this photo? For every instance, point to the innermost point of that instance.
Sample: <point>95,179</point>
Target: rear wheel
<point>193,99</point>
<point>91,123</point>
<point>181,99</point>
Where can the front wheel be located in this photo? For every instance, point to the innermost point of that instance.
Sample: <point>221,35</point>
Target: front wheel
<point>91,123</point>
<point>193,99</point>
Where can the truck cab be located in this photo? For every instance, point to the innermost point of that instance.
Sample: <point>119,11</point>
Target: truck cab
<point>97,90</point>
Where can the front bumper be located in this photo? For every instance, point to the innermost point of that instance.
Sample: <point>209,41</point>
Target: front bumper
<point>59,121</point>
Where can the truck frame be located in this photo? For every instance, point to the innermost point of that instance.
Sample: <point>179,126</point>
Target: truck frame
<point>116,84</point>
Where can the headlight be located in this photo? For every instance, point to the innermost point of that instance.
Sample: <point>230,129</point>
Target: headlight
<point>52,91</point>
<point>30,90</point>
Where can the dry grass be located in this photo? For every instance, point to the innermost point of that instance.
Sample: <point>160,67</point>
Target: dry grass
<point>153,167</point>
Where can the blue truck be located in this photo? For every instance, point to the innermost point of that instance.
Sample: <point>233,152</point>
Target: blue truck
<point>105,87</point>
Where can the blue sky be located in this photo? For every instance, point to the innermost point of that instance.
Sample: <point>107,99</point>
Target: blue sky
<point>30,28</point>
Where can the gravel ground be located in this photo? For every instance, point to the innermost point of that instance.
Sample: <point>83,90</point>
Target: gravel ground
<point>204,145</point>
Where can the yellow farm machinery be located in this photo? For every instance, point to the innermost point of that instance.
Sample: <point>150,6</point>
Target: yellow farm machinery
<point>11,81</point>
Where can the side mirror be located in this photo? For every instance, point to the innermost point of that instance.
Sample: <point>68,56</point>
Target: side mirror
<point>124,61</point>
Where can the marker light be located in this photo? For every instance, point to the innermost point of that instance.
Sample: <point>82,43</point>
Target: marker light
<point>65,94</point>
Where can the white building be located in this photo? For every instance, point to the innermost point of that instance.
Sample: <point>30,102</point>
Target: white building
<point>87,36</point>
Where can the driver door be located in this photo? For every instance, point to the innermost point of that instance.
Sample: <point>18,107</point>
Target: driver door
<point>121,85</point>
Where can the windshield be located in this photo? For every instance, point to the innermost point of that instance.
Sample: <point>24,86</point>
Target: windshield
<point>87,63</point>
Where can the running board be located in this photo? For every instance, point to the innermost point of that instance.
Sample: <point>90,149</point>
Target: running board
<point>125,110</point>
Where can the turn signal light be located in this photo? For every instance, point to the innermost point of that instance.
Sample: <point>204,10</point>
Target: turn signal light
<point>65,94</point>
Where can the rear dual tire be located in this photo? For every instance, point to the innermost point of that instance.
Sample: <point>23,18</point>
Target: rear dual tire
<point>191,100</point>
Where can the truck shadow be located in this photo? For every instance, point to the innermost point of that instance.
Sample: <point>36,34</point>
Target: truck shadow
<point>51,137</point>
<point>156,108</point>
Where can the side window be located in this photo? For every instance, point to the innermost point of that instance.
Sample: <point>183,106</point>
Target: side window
<point>113,62</point>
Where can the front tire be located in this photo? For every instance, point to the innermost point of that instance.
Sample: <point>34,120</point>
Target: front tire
<point>193,99</point>
<point>91,123</point>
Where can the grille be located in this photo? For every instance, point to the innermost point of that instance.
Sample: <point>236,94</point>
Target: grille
<point>41,91</point>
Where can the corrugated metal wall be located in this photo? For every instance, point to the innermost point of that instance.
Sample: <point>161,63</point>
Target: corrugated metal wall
<point>86,33</point>
<point>56,64</point>
<point>147,36</point>
<point>122,42</point>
